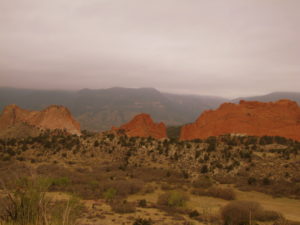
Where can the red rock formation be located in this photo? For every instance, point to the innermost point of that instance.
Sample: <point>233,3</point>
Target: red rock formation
<point>11,115</point>
<point>281,118</point>
<point>53,117</point>
<point>143,126</point>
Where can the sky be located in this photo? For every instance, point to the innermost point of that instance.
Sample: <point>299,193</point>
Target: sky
<point>228,48</point>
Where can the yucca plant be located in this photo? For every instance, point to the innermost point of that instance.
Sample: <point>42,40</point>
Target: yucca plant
<point>29,205</point>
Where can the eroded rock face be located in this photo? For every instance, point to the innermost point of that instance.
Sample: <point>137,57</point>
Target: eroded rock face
<point>53,117</point>
<point>11,115</point>
<point>142,125</point>
<point>281,118</point>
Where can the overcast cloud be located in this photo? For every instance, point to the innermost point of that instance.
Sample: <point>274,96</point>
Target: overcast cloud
<point>229,48</point>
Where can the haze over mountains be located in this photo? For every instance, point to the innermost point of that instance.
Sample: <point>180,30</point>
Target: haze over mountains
<point>274,96</point>
<point>101,109</point>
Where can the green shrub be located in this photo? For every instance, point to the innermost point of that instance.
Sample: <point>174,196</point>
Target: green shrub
<point>216,192</point>
<point>223,193</point>
<point>194,214</point>
<point>266,181</point>
<point>61,181</point>
<point>239,212</point>
<point>29,205</point>
<point>252,180</point>
<point>173,199</point>
<point>110,194</point>
<point>142,203</point>
<point>244,212</point>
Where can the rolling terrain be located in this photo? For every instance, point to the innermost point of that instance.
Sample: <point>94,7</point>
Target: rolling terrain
<point>137,175</point>
<point>117,179</point>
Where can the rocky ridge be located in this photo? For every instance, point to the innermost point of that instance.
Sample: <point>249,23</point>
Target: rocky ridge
<point>281,118</point>
<point>52,118</point>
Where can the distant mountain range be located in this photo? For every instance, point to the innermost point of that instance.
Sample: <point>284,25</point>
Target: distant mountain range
<point>101,109</point>
<point>274,96</point>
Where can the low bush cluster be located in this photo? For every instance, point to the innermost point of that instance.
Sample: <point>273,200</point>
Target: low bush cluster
<point>216,192</point>
<point>244,212</point>
<point>173,199</point>
<point>203,182</point>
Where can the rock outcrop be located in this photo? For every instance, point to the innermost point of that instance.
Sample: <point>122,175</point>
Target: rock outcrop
<point>281,118</point>
<point>142,125</point>
<point>52,118</point>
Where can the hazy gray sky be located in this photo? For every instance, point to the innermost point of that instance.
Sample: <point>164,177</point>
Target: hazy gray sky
<point>229,48</point>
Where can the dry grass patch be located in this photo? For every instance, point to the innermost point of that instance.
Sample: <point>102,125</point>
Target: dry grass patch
<point>290,208</point>
<point>122,206</point>
<point>203,182</point>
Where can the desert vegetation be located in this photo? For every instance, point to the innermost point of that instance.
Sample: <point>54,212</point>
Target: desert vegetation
<point>245,212</point>
<point>167,176</point>
<point>28,204</point>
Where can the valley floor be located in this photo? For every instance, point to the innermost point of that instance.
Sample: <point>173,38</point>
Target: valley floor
<point>98,212</point>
